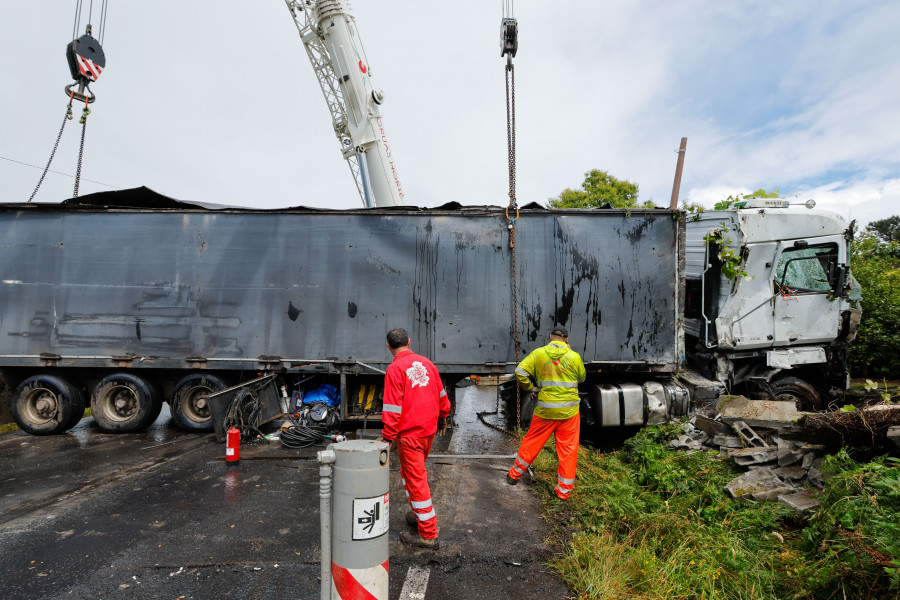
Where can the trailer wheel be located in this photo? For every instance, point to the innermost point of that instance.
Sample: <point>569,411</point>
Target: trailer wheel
<point>190,401</point>
<point>793,389</point>
<point>46,405</point>
<point>123,402</point>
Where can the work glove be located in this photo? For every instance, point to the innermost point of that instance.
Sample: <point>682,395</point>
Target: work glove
<point>443,428</point>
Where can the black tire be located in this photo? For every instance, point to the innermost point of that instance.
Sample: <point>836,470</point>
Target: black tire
<point>190,405</point>
<point>802,394</point>
<point>47,405</point>
<point>123,403</point>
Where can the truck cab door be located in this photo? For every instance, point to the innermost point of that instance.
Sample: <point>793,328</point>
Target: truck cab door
<point>808,278</point>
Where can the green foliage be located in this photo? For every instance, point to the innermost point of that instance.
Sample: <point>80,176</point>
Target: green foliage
<point>730,260</point>
<point>854,539</point>
<point>654,523</point>
<point>600,188</point>
<point>886,230</point>
<point>876,266</point>
<point>760,193</point>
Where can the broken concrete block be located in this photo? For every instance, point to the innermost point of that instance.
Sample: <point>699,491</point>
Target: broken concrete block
<point>794,473</point>
<point>772,494</point>
<point>710,426</point>
<point>893,434</point>
<point>753,455</point>
<point>807,461</point>
<point>748,435</point>
<point>727,441</point>
<point>802,501</point>
<point>753,482</point>
<point>815,475</point>
<point>757,413</point>
<point>686,442</point>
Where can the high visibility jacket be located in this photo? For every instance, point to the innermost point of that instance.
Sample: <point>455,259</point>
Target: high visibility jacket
<point>556,370</point>
<point>414,397</point>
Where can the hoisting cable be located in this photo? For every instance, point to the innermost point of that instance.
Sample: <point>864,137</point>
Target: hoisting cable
<point>86,61</point>
<point>509,44</point>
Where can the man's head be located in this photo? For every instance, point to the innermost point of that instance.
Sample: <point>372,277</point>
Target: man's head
<point>397,338</point>
<point>559,334</point>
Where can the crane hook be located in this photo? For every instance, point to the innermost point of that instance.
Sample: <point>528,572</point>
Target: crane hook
<point>86,63</point>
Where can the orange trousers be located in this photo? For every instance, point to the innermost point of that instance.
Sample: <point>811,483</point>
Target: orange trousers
<point>566,433</point>
<point>413,452</point>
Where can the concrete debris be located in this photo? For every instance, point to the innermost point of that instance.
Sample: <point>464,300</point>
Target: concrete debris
<point>753,455</point>
<point>711,426</point>
<point>794,473</point>
<point>757,413</point>
<point>748,435</point>
<point>802,501</point>
<point>727,441</point>
<point>693,439</point>
<point>753,482</point>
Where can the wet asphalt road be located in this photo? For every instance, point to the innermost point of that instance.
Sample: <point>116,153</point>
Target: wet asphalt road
<point>158,515</point>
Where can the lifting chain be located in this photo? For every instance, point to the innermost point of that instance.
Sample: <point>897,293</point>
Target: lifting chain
<point>83,121</point>
<point>67,118</point>
<point>496,411</point>
<point>513,206</point>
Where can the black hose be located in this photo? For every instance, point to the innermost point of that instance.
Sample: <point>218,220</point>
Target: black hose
<point>303,436</point>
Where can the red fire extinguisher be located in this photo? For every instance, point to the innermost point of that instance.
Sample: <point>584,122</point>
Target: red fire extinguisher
<point>232,446</point>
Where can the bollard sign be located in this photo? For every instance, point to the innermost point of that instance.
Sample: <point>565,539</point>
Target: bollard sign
<point>370,517</point>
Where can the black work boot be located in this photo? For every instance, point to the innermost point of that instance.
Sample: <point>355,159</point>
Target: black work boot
<point>414,539</point>
<point>510,480</point>
<point>412,520</point>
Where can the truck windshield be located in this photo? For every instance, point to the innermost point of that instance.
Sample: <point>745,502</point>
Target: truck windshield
<point>810,269</point>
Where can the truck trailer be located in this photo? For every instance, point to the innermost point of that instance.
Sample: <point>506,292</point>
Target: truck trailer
<point>124,300</point>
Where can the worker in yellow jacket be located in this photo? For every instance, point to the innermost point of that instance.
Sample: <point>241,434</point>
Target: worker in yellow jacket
<point>556,370</point>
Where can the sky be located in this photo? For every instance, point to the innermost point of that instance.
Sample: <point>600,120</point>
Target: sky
<point>215,101</point>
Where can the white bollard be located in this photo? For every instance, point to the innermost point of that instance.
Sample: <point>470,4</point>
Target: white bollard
<point>360,506</point>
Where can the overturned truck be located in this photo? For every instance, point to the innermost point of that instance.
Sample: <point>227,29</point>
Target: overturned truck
<point>125,300</point>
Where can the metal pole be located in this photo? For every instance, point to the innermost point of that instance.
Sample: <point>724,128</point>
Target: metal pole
<point>326,458</point>
<point>676,187</point>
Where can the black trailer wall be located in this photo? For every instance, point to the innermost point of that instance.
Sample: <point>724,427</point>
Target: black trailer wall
<point>82,284</point>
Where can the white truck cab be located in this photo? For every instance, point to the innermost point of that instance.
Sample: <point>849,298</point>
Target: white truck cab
<point>768,298</point>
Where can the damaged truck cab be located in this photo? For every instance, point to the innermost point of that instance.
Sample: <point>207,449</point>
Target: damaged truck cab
<point>770,305</point>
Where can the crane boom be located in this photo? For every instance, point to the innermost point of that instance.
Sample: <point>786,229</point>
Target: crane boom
<point>328,32</point>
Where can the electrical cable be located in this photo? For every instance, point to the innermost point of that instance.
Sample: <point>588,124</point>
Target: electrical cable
<point>244,413</point>
<point>310,426</point>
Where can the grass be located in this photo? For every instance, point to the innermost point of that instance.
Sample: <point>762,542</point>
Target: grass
<point>651,523</point>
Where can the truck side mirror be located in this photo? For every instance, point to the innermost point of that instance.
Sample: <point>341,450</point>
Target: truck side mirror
<point>840,281</point>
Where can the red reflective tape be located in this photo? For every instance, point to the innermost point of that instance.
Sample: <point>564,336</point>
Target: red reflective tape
<point>348,588</point>
<point>385,565</point>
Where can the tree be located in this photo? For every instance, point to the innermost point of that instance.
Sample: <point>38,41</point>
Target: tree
<point>887,230</point>
<point>876,266</point>
<point>600,188</point>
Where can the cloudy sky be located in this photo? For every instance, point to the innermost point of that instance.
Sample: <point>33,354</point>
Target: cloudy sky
<point>216,101</point>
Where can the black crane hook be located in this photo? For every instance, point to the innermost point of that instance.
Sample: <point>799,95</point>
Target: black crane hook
<point>86,63</point>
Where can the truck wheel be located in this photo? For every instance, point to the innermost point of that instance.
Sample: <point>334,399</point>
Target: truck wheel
<point>190,401</point>
<point>792,389</point>
<point>46,405</point>
<point>123,402</point>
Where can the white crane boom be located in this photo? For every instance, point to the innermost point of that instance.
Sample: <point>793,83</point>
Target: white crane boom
<point>328,31</point>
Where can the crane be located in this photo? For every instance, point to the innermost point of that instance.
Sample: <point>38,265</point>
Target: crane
<point>328,32</point>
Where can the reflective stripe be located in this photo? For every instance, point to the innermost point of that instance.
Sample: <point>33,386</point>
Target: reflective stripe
<point>426,516</point>
<point>518,470</point>
<point>443,393</point>
<point>522,461</point>
<point>421,504</point>
<point>522,372</point>
<point>392,408</point>
<point>565,481</point>
<point>565,493</point>
<point>558,404</point>
<point>565,384</point>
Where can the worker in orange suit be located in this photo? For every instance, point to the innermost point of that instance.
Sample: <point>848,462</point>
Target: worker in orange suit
<point>555,370</point>
<point>414,400</point>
